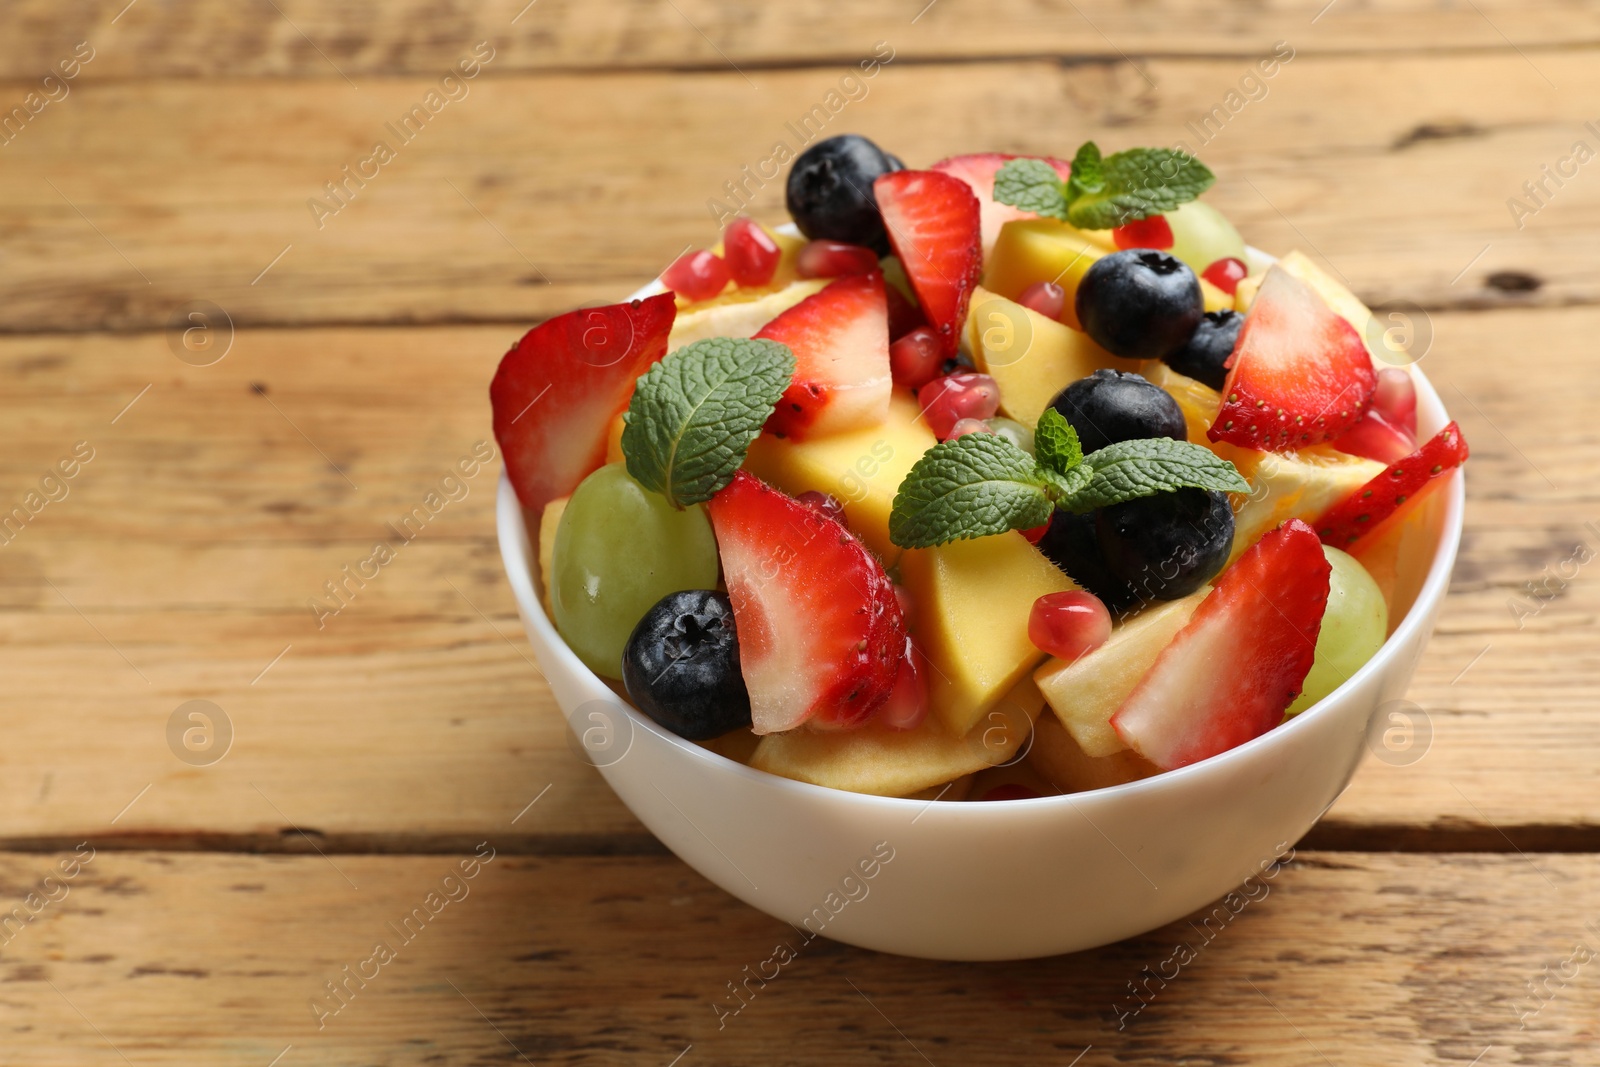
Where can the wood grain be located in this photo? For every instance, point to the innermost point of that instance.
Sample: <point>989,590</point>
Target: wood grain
<point>361,38</point>
<point>540,191</point>
<point>1348,959</point>
<point>194,539</point>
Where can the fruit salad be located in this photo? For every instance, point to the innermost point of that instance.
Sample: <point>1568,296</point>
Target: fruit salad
<point>1001,478</point>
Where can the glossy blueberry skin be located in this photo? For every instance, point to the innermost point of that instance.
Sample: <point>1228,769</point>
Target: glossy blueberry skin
<point>1110,406</point>
<point>1208,348</point>
<point>829,193</point>
<point>1166,546</point>
<point>1072,544</point>
<point>1139,303</point>
<point>681,666</point>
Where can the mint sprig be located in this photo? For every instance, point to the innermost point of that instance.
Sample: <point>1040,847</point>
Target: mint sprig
<point>1104,192</point>
<point>694,414</point>
<point>978,485</point>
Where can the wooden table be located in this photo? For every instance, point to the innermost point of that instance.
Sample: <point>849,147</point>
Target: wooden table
<point>338,369</point>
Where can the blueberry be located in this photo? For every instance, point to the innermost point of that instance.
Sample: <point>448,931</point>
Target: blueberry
<point>894,163</point>
<point>1072,544</point>
<point>1208,348</point>
<point>1139,303</point>
<point>1110,406</point>
<point>830,191</point>
<point>681,666</point>
<point>1166,546</point>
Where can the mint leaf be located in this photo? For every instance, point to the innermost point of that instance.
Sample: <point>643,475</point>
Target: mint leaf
<point>1064,485</point>
<point>1032,185</point>
<point>1055,442</point>
<point>974,485</point>
<point>1131,185</point>
<point>1128,470</point>
<point>694,414</point>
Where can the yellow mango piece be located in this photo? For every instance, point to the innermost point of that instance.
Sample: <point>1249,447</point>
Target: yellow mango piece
<point>862,469</point>
<point>547,548</point>
<point>970,606</point>
<point>1086,692</point>
<point>738,312</point>
<point>1216,299</point>
<point>1197,400</point>
<point>1291,485</point>
<point>1061,761</point>
<point>1041,250</point>
<point>1245,294</point>
<point>614,439</point>
<point>892,763</point>
<point>1030,357</point>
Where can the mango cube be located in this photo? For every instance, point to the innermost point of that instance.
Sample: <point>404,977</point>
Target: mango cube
<point>1041,250</point>
<point>971,601</point>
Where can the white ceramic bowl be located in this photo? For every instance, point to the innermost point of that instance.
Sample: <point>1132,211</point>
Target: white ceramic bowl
<point>977,881</point>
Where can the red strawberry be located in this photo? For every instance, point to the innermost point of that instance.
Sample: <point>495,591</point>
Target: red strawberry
<point>1299,374</point>
<point>559,388</point>
<point>1375,437</point>
<point>933,224</point>
<point>1394,492</point>
<point>978,171</point>
<point>821,635</point>
<point>840,341</point>
<point>1240,659</point>
<point>904,316</point>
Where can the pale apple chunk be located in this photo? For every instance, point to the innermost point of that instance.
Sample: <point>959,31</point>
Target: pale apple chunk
<point>1291,485</point>
<point>1086,692</point>
<point>892,763</point>
<point>727,316</point>
<point>1062,762</point>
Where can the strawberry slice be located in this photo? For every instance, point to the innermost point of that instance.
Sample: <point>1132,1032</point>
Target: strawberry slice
<point>559,388</point>
<point>1299,374</point>
<point>1241,658</point>
<point>978,171</point>
<point>840,341</point>
<point>1389,496</point>
<point>934,225</point>
<point>1375,437</point>
<point>821,635</point>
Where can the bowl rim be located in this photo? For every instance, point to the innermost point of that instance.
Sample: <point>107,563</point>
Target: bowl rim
<point>517,556</point>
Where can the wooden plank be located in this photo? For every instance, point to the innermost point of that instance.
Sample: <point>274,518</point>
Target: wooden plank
<point>362,38</point>
<point>193,540</point>
<point>537,192</point>
<point>156,959</point>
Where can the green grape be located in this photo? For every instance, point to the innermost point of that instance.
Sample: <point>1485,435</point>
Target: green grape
<point>1013,431</point>
<point>1201,236</point>
<point>619,549</point>
<point>1353,628</point>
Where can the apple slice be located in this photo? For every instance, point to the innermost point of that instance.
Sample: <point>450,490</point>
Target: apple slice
<point>1241,658</point>
<point>840,341</point>
<point>558,389</point>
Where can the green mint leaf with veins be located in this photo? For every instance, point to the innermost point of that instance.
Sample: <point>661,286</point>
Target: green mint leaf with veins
<point>1032,185</point>
<point>974,485</point>
<point>1128,470</point>
<point>1064,485</point>
<point>1131,185</point>
<point>1055,442</point>
<point>694,414</point>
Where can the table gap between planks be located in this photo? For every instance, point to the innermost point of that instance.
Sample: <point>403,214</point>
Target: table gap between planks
<point>374,751</point>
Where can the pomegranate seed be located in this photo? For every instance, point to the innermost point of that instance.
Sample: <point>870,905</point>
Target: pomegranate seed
<point>917,358</point>
<point>966,426</point>
<point>1010,791</point>
<point>1153,232</point>
<point>946,401</point>
<point>1068,624</point>
<point>1396,399</point>
<point>1036,534</point>
<point>907,705</point>
<point>834,259</point>
<point>751,252</point>
<point>696,276</point>
<point>1047,298</point>
<point>1226,274</point>
<point>824,504</point>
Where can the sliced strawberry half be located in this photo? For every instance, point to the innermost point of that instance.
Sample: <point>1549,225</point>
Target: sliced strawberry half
<point>1375,437</point>
<point>978,171</point>
<point>1241,658</point>
<point>821,635</point>
<point>1299,374</point>
<point>934,225</point>
<point>1392,494</point>
<point>840,341</point>
<point>559,388</point>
